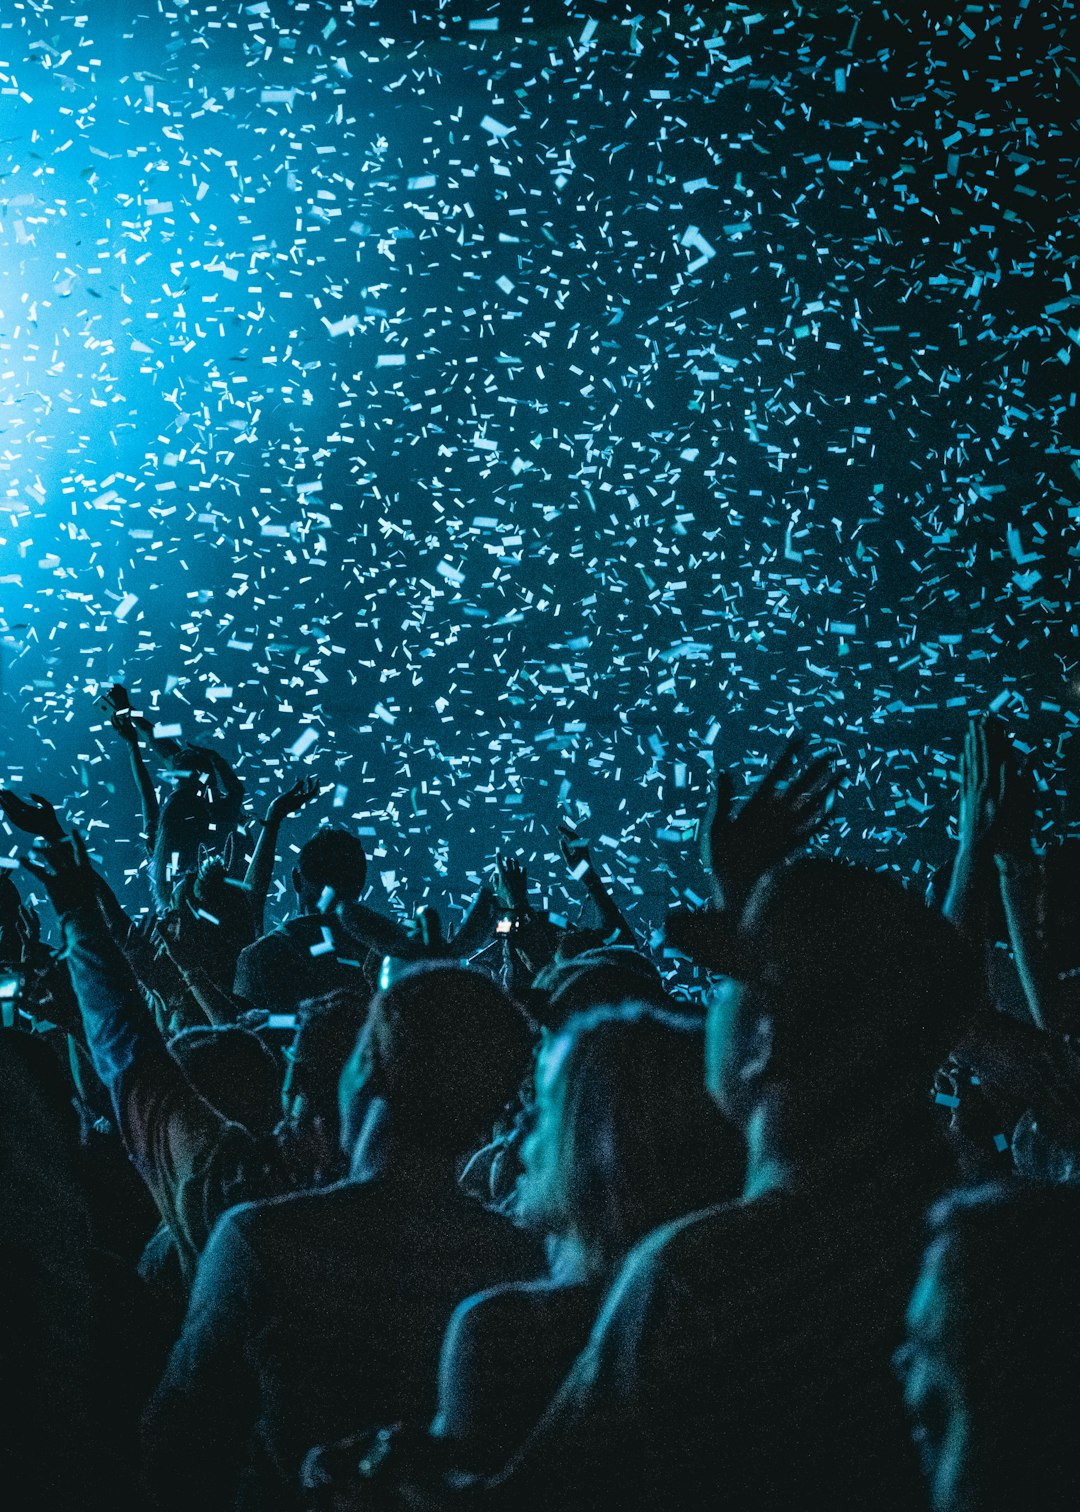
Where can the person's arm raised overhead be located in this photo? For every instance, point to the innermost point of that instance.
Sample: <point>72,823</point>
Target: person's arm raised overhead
<point>477,929</point>
<point>375,931</point>
<point>1019,879</point>
<point>780,817</point>
<point>193,1160</point>
<point>38,818</point>
<point>983,764</point>
<point>115,704</point>
<point>578,858</point>
<point>260,870</point>
<point>527,941</point>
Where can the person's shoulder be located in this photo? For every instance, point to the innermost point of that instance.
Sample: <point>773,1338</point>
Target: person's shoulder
<point>679,1258</point>
<point>684,1240</point>
<point>265,1222</point>
<point>282,936</point>
<point>510,1298</point>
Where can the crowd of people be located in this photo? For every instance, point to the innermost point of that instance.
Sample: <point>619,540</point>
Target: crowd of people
<point>773,1211</point>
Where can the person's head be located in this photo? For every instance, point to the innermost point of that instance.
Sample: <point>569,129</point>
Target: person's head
<point>845,993</point>
<point>444,1049</point>
<point>991,1363</point>
<point>626,1137</point>
<point>183,826</point>
<point>326,1032</point>
<point>210,912</point>
<point>235,1071</point>
<point>593,978</point>
<point>332,859</point>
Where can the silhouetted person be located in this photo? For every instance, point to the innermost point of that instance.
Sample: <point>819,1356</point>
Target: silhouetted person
<point>316,1312</point>
<point>991,1366</point>
<point>624,1139</point>
<point>79,1339</point>
<point>743,1353</point>
<point>310,954</point>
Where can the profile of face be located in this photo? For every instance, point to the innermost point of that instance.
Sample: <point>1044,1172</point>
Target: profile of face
<point>934,1389</point>
<point>738,1030</point>
<point>738,1038</point>
<point>358,1088</point>
<point>536,1204</point>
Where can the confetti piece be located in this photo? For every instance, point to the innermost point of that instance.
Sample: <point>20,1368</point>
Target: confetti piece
<point>303,743</point>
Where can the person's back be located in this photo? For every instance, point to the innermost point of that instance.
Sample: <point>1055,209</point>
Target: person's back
<point>311,954</point>
<point>991,1363</point>
<point>744,1351</point>
<point>308,956</point>
<point>319,1313</point>
<point>352,1290</point>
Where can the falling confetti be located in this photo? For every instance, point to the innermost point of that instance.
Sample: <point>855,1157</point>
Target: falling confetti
<point>524,410</point>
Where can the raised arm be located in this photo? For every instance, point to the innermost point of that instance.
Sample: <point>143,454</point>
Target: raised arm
<point>1020,878</point>
<point>785,811</point>
<point>983,764</point>
<point>578,858</point>
<point>193,1160</point>
<point>477,929</point>
<point>260,870</point>
<point>115,704</point>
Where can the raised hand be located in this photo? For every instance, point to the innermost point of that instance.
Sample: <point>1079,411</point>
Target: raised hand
<point>983,779</point>
<point>425,928</point>
<point>1015,828</point>
<point>786,810</point>
<point>298,796</point>
<point>575,850</point>
<point>511,884</point>
<point>114,700</point>
<point>63,868</point>
<point>37,818</point>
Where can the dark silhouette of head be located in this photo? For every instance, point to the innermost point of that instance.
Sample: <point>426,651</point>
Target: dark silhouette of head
<point>991,1366</point>
<point>444,1049</point>
<point>212,912</point>
<point>326,1032</point>
<point>626,1137</point>
<point>593,978</point>
<point>845,994</point>
<point>332,859</point>
<point>235,1071</point>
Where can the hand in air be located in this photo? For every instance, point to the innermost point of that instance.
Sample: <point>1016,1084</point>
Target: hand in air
<point>786,810</point>
<point>511,884</point>
<point>575,850</point>
<point>37,818</point>
<point>63,868</point>
<point>298,796</point>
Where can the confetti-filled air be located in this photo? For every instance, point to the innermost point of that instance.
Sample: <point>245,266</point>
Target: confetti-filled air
<point>509,411</point>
